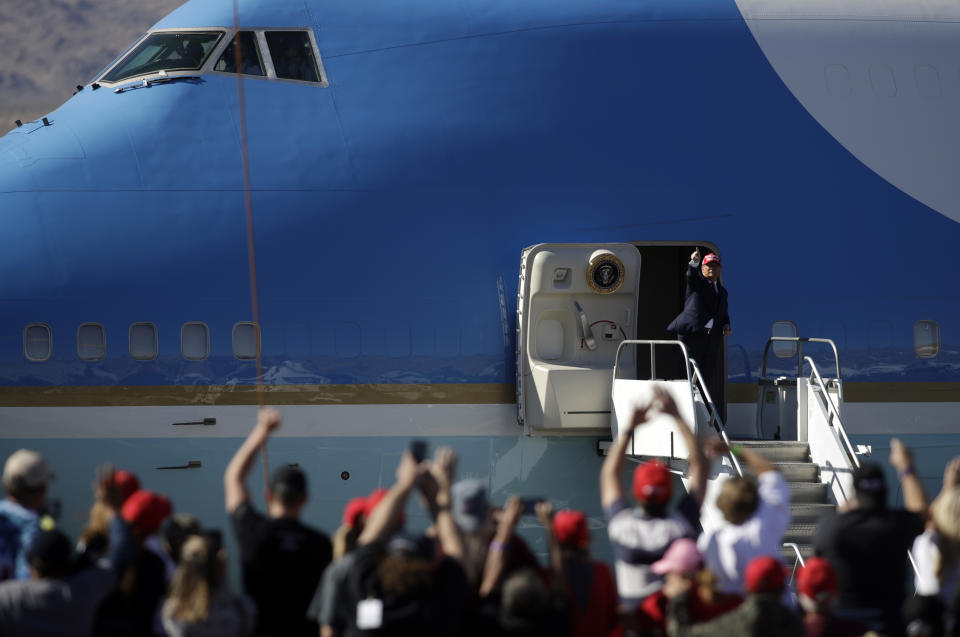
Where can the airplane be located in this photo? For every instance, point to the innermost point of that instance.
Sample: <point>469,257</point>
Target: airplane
<point>407,165</point>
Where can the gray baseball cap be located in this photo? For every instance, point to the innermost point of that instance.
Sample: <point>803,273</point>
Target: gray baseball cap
<point>470,504</point>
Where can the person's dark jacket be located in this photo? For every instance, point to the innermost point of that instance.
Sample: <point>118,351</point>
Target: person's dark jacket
<point>701,305</point>
<point>760,615</point>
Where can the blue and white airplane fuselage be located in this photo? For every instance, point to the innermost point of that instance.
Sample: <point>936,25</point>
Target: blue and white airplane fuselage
<point>815,145</point>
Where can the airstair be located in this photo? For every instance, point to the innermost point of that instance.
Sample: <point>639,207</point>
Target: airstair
<point>812,451</point>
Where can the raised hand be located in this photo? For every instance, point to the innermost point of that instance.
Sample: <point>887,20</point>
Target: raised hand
<point>544,511</point>
<point>951,475</point>
<point>269,419</point>
<point>665,402</point>
<point>900,455</point>
<point>695,257</point>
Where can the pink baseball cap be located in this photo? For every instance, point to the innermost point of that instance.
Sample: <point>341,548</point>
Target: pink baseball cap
<point>683,556</point>
<point>711,258</point>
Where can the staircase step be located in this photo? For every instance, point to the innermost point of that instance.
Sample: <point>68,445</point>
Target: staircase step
<point>807,492</point>
<point>809,513</point>
<point>800,533</point>
<point>794,471</point>
<point>778,450</point>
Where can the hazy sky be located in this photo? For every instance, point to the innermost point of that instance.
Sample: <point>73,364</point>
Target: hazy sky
<point>47,47</point>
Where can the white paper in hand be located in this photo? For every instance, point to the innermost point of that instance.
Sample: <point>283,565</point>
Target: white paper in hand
<point>370,614</point>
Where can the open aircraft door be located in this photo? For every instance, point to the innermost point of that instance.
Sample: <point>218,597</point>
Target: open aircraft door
<point>576,304</point>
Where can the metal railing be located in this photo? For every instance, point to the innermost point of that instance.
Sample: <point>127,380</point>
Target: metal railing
<point>694,378</point>
<point>830,411</point>
<point>715,415</point>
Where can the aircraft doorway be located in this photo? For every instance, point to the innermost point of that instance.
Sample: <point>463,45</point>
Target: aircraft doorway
<point>662,290</point>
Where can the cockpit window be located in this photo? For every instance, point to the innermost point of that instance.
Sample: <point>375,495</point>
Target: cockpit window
<point>250,61</point>
<point>292,55</point>
<point>166,52</point>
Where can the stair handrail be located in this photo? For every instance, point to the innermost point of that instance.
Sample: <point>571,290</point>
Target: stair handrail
<point>799,561</point>
<point>833,415</point>
<point>693,377</point>
<point>800,340</point>
<point>715,415</point>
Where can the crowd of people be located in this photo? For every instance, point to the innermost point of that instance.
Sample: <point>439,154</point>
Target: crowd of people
<point>140,569</point>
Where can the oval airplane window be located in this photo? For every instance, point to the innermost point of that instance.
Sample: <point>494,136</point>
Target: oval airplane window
<point>926,339</point>
<point>165,51</point>
<point>143,341</point>
<point>246,340</point>
<point>37,342</point>
<point>91,342</point>
<point>195,341</point>
<point>783,349</point>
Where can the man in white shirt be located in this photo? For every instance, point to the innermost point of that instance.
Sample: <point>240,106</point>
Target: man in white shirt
<point>756,515</point>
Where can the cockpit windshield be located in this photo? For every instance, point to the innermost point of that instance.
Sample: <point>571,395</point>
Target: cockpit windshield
<point>166,52</point>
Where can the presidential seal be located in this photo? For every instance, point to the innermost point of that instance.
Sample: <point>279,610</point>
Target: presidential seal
<point>605,273</point>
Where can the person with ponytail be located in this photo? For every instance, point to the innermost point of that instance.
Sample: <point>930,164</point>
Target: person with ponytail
<point>199,604</point>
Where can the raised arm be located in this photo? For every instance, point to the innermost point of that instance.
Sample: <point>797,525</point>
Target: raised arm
<point>697,460</point>
<point>234,487</point>
<point>558,579</point>
<point>493,567</point>
<point>383,519</point>
<point>914,497</point>
<point>610,488</point>
<point>951,478</point>
<point>443,468</point>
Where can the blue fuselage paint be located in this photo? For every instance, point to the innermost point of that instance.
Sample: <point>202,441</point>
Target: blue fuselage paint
<point>388,206</point>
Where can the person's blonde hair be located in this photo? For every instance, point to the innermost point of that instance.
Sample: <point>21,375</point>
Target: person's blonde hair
<point>190,590</point>
<point>738,500</point>
<point>98,526</point>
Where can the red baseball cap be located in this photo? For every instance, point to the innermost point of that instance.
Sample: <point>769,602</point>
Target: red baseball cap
<point>712,258</point>
<point>570,528</point>
<point>764,575</point>
<point>145,510</point>
<point>126,483</point>
<point>817,581</point>
<point>652,482</point>
<point>353,513</point>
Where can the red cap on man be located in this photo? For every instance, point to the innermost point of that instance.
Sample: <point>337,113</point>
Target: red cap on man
<point>817,584</point>
<point>652,482</point>
<point>354,512</point>
<point>570,528</point>
<point>764,575</point>
<point>711,258</point>
<point>145,510</point>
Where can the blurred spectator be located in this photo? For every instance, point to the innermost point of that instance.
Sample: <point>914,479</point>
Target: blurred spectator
<point>95,537</point>
<point>173,533</point>
<point>345,537</point>
<point>519,602</point>
<point>923,617</point>
<point>866,543</point>
<point>282,558</point>
<point>25,479</point>
<point>817,594</point>
<point>760,615</point>
<point>756,514</point>
<point>682,568</point>
<point>937,551</point>
<point>199,604</point>
<point>593,593</point>
<point>59,599</point>
<point>641,536</point>
<point>398,583</point>
<point>474,517</point>
<point>132,606</point>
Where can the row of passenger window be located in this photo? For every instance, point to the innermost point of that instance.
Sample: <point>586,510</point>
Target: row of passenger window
<point>926,339</point>
<point>92,341</point>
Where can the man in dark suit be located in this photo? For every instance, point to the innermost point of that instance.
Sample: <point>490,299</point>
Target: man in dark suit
<point>704,320</point>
